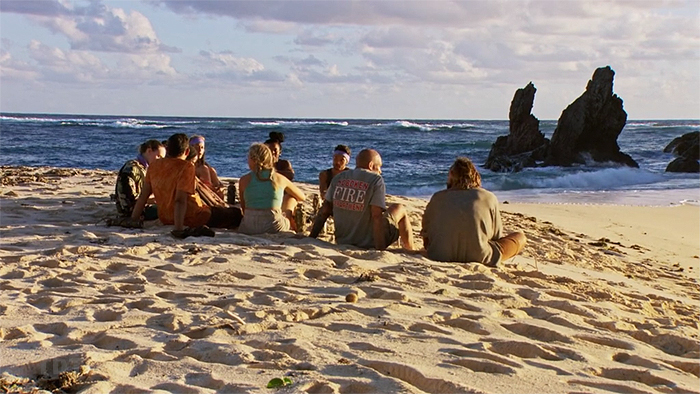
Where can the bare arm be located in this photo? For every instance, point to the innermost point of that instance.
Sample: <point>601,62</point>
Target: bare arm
<point>214,177</point>
<point>322,181</point>
<point>323,215</point>
<point>141,201</point>
<point>290,188</point>
<point>424,225</point>
<point>180,209</point>
<point>242,184</point>
<point>378,227</point>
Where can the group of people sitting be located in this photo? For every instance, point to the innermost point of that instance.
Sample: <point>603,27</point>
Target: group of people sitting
<point>461,223</point>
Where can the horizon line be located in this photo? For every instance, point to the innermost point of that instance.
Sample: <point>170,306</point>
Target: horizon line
<point>2,113</point>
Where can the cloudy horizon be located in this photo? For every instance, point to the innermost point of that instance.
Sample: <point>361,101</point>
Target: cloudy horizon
<point>344,59</point>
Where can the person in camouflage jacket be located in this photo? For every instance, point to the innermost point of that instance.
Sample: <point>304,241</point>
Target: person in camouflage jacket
<point>131,176</point>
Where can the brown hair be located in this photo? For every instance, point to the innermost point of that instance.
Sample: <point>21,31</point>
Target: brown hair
<point>464,175</point>
<point>177,145</point>
<point>150,144</point>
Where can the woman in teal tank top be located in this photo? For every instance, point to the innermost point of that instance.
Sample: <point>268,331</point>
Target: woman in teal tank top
<point>262,193</point>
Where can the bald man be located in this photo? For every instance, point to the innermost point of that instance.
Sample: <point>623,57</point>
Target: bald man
<point>356,199</point>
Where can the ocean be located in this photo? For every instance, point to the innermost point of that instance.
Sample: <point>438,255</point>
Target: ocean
<point>416,153</point>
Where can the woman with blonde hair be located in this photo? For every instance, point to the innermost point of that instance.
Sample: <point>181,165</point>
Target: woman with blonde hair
<point>262,193</point>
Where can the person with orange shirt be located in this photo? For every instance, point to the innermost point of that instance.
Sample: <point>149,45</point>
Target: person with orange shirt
<point>172,182</point>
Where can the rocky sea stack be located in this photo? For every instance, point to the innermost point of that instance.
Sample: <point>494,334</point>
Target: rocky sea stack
<point>587,130</point>
<point>589,127</point>
<point>687,149</point>
<point>525,145</point>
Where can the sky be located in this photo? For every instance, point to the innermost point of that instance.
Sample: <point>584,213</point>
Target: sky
<point>344,59</point>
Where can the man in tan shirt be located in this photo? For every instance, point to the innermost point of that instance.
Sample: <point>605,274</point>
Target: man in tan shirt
<point>463,223</point>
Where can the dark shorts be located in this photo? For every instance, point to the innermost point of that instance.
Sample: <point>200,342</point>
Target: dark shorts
<point>391,234</point>
<point>225,217</point>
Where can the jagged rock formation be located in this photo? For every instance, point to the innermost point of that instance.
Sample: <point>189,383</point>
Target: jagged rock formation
<point>687,148</point>
<point>525,144</point>
<point>590,126</point>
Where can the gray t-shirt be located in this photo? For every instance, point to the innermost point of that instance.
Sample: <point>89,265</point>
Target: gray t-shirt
<point>461,225</point>
<point>352,194</point>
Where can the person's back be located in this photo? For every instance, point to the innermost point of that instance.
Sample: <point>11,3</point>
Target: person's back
<point>461,224</point>
<point>352,194</point>
<point>131,177</point>
<point>128,187</point>
<point>261,194</point>
<point>168,175</point>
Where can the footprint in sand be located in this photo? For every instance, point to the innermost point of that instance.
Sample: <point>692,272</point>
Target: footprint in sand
<point>609,387</point>
<point>229,276</point>
<point>536,332</point>
<point>364,346</point>
<point>171,322</point>
<point>175,388</point>
<point>415,378</point>
<point>340,261</point>
<point>565,306</point>
<point>467,324</point>
<point>14,274</point>
<point>104,341</point>
<point>636,375</point>
<point>173,296</point>
<point>106,315</point>
<point>670,344</point>
<point>425,327</point>
<point>477,354</point>
<point>314,274</point>
<point>483,366</point>
<point>522,350</point>
<point>60,328</point>
<point>630,359</point>
<point>544,366</point>
<point>296,349</point>
<point>170,267</point>
<point>206,380</point>
<point>462,305</point>
<point>149,305</point>
<point>691,367</point>
<point>606,341</point>
<point>41,302</point>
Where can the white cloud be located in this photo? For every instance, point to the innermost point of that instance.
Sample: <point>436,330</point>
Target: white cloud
<point>226,61</point>
<point>11,69</point>
<point>145,68</point>
<point>95,27</point>
<point>460,51</point>
<point>225,68</point>
<point>58,65</point>
<point>83,67</point>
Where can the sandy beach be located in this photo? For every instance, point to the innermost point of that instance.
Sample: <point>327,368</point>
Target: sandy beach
<point>604,298</point>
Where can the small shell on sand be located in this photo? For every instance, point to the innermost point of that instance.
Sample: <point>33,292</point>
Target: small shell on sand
<point>351,297</point>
